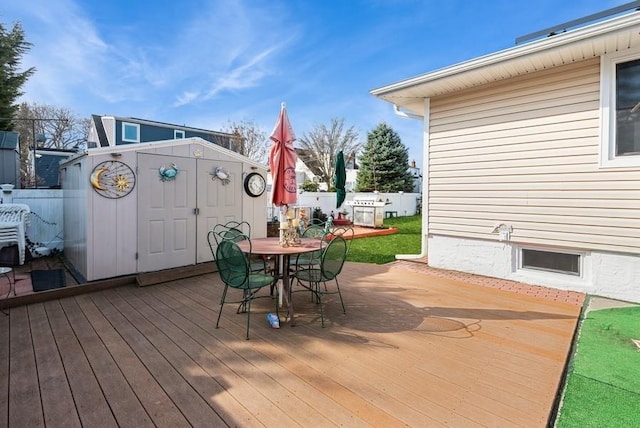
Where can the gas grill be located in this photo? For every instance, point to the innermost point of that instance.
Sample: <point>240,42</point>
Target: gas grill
<point>368,211</point>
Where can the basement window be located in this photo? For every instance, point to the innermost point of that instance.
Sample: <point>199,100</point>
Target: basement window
<point>550,261</point>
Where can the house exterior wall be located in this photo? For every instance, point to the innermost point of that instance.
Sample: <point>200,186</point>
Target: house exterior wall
<point>524,152</point>
<point>159,133</point>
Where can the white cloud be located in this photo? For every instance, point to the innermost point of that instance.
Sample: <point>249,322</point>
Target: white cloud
<point>185,98</point>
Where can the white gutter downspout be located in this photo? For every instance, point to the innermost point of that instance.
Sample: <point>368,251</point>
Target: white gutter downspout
<point>425,178</point>
<point>405,114</point>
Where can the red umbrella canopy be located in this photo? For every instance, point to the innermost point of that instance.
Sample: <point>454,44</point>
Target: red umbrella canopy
<point>282,162</point>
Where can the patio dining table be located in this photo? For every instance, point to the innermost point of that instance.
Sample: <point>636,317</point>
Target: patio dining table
<point>272,247</point>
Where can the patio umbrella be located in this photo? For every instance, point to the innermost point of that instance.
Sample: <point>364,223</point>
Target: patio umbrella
<point>340,179</point>
<point>282,162</point>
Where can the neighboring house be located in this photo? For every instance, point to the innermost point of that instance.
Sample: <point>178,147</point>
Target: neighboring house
<point>532,160</point>
<point>417,177</point>
<point>110,131</point>
<point>48,166</point>
<point>308,168</point>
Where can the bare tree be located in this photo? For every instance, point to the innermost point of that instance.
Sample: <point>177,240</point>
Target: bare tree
<point>45,126</point>
<point>249,140</point>
<point>60,127</point>
<point>323,143</point>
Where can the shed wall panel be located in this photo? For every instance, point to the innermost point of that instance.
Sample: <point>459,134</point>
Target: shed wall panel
<point>525,152</point>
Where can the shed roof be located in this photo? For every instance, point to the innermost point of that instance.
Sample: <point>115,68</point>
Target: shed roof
<point>591,41</point>
<point>9,140</point>
<point>154,145</point>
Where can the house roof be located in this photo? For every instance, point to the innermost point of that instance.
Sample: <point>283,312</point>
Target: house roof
<point>594,40</point>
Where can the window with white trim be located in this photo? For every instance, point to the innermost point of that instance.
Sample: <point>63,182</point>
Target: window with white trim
<point>620,109</point>
<point>130,132</point>
<point>178,134</point>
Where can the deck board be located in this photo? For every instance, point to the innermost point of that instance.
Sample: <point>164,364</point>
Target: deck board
<point>412,350</point>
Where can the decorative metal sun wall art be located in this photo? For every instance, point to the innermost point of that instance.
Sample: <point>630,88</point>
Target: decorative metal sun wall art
<point>113,179</point>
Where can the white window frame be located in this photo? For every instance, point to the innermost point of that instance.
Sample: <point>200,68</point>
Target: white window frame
<point>134,125</point>
<point>178,134</point>
<point>608,65</point>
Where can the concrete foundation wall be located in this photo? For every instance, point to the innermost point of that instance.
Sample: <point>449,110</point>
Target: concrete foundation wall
<point>612,275</point>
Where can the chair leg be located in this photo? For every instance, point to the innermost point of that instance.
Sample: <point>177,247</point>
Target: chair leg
<point>248,316</point>
<point>222,299</point>
<point>319,297</point>
<point>344,310</point>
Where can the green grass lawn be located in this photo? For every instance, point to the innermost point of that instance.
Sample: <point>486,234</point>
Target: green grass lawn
<point>383,249</point>
<point>603,383</point>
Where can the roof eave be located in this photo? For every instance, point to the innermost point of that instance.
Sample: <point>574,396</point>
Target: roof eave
<point>406,93</point>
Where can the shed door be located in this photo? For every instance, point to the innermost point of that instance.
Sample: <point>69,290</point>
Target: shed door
<point>166,217</point>
<point>218,201</point>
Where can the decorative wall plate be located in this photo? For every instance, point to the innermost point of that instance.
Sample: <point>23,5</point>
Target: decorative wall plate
<point>113,179</point>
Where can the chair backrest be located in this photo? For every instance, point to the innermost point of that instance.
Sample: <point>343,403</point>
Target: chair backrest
<point>233,265</point>
<point>233,230</point>
<point>333,257</point>
<point>313,231</point>
<point>346,232</point>
<point>219,233</point>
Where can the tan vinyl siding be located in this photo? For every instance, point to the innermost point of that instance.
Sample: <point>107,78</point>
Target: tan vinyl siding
<point>525,152</point>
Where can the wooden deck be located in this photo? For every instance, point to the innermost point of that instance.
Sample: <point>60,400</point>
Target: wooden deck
<point>412,350</point>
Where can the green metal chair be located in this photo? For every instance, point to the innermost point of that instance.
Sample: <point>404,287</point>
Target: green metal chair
<point>306,260</point>
<point>334,254</point>
<point>235,272</point>
<point>237,231</point>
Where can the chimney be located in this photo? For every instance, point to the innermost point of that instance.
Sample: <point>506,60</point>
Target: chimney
<point>413,163</point>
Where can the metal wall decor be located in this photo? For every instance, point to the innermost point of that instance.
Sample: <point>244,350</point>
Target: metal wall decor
<point>113,179</point>
<point>221,174</point>
<point>168,174</point>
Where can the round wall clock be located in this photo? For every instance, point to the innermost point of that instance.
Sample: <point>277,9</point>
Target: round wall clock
<point>113,179</point>
<point>255,184</point>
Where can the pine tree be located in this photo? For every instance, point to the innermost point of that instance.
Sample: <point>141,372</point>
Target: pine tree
<point>12,47</point>
<point>384,163</point>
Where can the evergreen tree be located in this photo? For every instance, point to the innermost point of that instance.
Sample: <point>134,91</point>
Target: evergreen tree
<point>12,47</point>
<point>384,163</point>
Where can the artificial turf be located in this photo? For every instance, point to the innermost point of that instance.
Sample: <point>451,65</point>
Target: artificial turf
<point>603,384</point>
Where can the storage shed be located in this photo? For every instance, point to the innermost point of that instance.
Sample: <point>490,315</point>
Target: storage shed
<point>148,207</point>
<point>10,158</point>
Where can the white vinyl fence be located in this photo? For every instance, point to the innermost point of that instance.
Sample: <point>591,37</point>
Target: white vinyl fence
<point>45,228</point>
<point>404,204</point>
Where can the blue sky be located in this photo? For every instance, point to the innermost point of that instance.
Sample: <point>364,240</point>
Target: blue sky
<point>204,63</point>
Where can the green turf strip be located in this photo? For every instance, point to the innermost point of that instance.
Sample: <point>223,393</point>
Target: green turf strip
<point>603,386</point>
<point>589,403</point>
